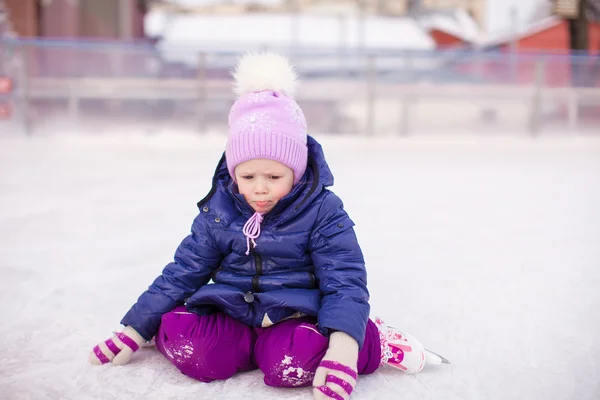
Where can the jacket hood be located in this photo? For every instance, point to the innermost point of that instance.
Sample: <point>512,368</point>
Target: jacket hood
<point>317,177</point>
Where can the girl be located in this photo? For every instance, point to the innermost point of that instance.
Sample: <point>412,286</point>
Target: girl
<point>289,286</point>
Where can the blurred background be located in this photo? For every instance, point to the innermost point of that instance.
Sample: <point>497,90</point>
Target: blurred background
<point>464,136</point>
<point>368,67</point>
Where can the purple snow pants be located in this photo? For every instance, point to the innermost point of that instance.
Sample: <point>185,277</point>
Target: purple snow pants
<point>217,346</point>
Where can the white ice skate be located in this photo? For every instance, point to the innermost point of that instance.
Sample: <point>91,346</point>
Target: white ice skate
<point>404,352</point>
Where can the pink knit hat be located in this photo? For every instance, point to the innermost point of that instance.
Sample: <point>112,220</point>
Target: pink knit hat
<point>266,122</point>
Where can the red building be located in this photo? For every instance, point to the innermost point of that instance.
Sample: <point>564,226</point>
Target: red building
<point>81,20</point>
<point>444,39</point>
<point>548,35</point>
<point>107,19</point>
<point>23,15</point>
<point>540,53</point>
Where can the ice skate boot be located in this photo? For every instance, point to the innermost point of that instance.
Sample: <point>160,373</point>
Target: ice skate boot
<point>403,351</point>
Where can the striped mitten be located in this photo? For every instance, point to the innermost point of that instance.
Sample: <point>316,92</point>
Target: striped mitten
<point>336,375</point>
<point>117,349</point>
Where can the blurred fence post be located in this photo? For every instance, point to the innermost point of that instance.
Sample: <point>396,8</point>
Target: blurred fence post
<point>74,102</point>
<point>343,46</point>
<point>201,78</point>
<point>572,98</point>
<point>479,65</point>
<point>536,106</point>
<point>405,122</point>
<point>361,28</point>
<point>513,44</point>
<point>6,85</point>
<point>294,29</point>
<point>371,75</point>
<point>125,19</point>
<point>572,112</point>
<point>406,100</point>
<point>24,89</point>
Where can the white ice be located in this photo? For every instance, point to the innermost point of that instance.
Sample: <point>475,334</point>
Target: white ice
<point>487,249</point>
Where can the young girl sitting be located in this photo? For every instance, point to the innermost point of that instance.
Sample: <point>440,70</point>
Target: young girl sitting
<point>289,286</point>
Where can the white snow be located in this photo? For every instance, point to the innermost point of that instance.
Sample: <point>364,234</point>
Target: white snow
<point>486,249</point>
<point>287,360</point>
<point>291,373</point>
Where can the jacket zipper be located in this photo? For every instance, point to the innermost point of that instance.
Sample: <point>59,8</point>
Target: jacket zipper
<point>313,280</point>
<point>259,269</point>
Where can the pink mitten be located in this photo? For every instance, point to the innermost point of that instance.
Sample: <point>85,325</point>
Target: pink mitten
<point>336,375</point>
<point>117,349</point>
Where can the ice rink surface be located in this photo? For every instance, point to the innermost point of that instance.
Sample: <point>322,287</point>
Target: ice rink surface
<point>486,249</point>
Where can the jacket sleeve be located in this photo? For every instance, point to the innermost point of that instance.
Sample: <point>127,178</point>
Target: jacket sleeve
<point>195,259</point>
<point>340,271</point>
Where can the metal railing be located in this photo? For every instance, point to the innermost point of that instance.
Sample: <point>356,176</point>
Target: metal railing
<point>373,92</point>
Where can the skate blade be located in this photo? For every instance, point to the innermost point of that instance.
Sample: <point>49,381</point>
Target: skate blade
<point>442,360</point>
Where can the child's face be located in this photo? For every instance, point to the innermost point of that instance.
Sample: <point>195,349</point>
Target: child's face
<point>263,183</point>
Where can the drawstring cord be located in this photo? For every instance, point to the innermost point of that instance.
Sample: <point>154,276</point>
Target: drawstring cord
<point>252,230</point>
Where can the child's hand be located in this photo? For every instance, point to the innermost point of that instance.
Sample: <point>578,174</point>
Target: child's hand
<point>336,376</point>
<point>117,349</point>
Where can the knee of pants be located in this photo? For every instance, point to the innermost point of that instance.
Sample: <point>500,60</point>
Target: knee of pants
<point>289,353</point>
<point>206,348</point>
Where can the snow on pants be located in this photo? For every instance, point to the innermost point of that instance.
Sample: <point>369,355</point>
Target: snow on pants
<point>217,346</point>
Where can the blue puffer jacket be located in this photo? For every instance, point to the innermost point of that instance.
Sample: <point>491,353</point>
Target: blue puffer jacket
<point>306,260</point>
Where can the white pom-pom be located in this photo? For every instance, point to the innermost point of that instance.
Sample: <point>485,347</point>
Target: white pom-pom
<point>264,71</point>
